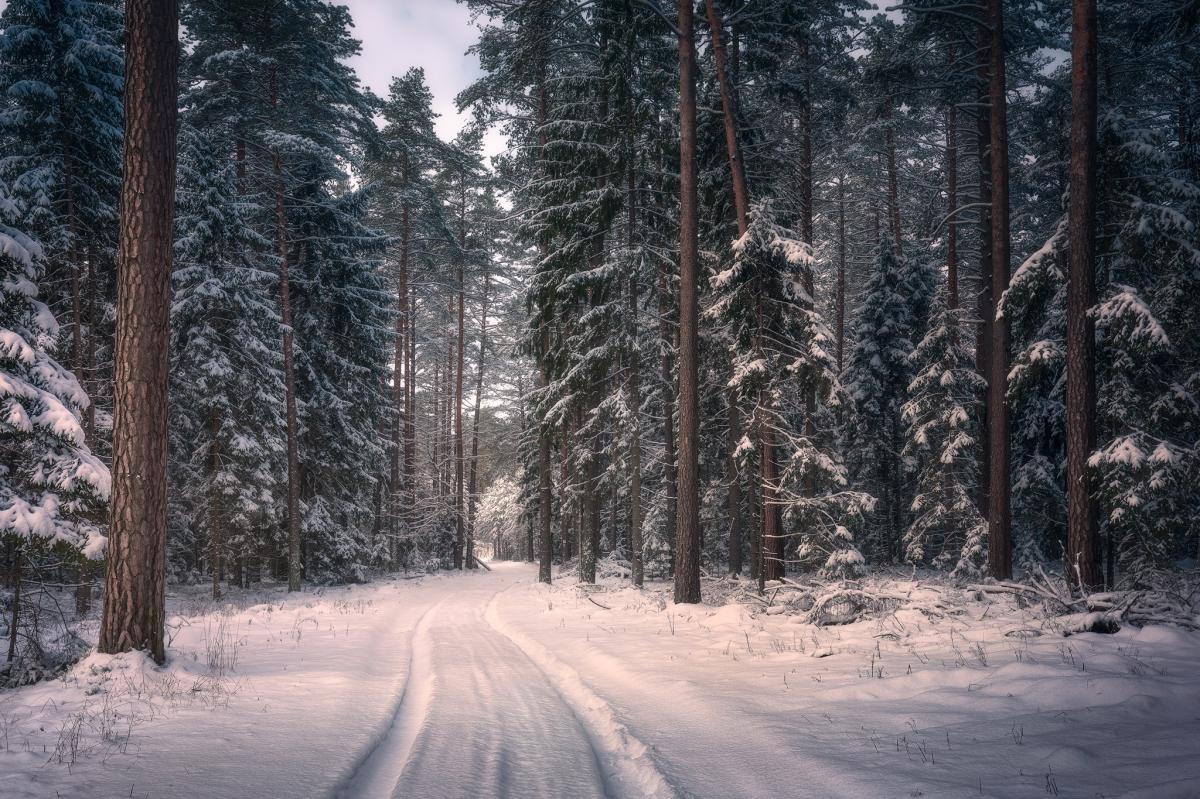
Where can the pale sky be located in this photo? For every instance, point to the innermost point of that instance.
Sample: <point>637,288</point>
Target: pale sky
<point>434,34</point>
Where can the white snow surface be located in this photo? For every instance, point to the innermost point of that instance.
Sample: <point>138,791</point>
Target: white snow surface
<point>490,684</point>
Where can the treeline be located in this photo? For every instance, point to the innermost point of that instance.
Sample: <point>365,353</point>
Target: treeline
<point>757,287</point>
<point>819,288</point>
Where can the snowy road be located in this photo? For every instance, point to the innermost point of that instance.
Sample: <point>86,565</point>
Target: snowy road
<point>477,718</point>
<point>491,685</point>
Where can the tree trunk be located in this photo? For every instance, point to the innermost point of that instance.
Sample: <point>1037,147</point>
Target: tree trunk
<point>735,487</point>
<point>741,204</point>
<point>464,555</point>
<point>15,618</point>
<point>771,549</point>
<point>636,566</point>
<point>397,506</point>
<point>999,522</point>
<point>134,597</point>
<point>984,303</point>
<point>214,503</point>
<point>741,196</point>
<point>410,409</point>
<point>471,481</point>
<point>889,134</point>
<point>952,206</point>
<point>687,521</point>
<point>1083,544</point>
<point>840,299</point>
<point>670,343</point>
<point>289,364</point>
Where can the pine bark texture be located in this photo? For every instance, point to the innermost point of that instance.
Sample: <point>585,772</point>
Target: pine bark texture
<point>134,598</point>
<point>1083,543</point>
<point>999,512</point>
<point>687,545</point>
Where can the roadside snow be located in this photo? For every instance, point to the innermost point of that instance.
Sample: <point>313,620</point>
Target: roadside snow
<point>492,684</point>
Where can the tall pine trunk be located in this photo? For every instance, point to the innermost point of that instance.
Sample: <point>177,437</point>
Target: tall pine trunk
<point>136,570</point>
<point>984,302</point>
<point>1083,544</point>
<point>471,480</point>
<point>999,516</point>
<point>840,297</point>
<point>289,363</point>
<point>545,485</point>
<point>741,206</point>
<point>687,520</point>
<point>952,205</point>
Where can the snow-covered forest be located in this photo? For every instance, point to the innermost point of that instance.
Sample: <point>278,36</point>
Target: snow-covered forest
<point>746,398</point>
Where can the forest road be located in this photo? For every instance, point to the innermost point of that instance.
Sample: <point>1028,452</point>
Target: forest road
<point>477,717</point>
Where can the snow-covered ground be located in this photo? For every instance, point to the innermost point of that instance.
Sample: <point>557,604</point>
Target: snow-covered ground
<point>489,684</point>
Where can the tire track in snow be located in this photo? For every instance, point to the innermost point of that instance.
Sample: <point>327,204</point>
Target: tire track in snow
<point>377,773</point>
<point>627,762</point>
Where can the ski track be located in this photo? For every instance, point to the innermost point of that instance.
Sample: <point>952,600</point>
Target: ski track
<point>378,772</point>
<point>629,766</point>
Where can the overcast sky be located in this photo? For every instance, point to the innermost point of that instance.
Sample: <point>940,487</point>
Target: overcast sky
<point>434,34</point>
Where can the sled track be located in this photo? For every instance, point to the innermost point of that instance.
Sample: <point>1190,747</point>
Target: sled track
<point>377,774</point>
<point>628,765</point>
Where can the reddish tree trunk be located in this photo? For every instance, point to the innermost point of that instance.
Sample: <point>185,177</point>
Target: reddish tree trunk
<point>952,206</point>
<point>471,480</point>
<point>1083,544</point>
<point>984,303</point>
<point>687,520</point>
<point>741,196</point>
<point>289,363</point>
<point>999,522</point>
<point>134,598</point>
<point>464,556</point>
<point>840,299</point>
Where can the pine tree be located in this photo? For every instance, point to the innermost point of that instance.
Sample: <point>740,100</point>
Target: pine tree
<point>227,386</point>
<point>877,378</point>
<point>781,354</point>
<point>61,77</point>
<point>51,485</point>
<point>942,416</point>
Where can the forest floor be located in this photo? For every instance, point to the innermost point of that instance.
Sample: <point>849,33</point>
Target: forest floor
<point>490,684</point>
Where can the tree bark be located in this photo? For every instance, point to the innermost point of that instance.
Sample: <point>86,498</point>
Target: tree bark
<point>471,480</point>
<point>741,204</point>
<point>687,544</point>
<point>1083,543</point>
<point>134,598</point>
<point>741,196</point>
<point>636,566</point>
<point>889,134</point>
<point>397,505</point>
<point>840,298</point>
<point>214,503</point>
<point>465,555</point>
<point>735,487</point>
<point>952,206</point>
<point>999,521</point>
<point>545,487</point>
<point>289,362</point>
<point>984,303</point>
<point>15,617</point>
<point>670,342</point>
